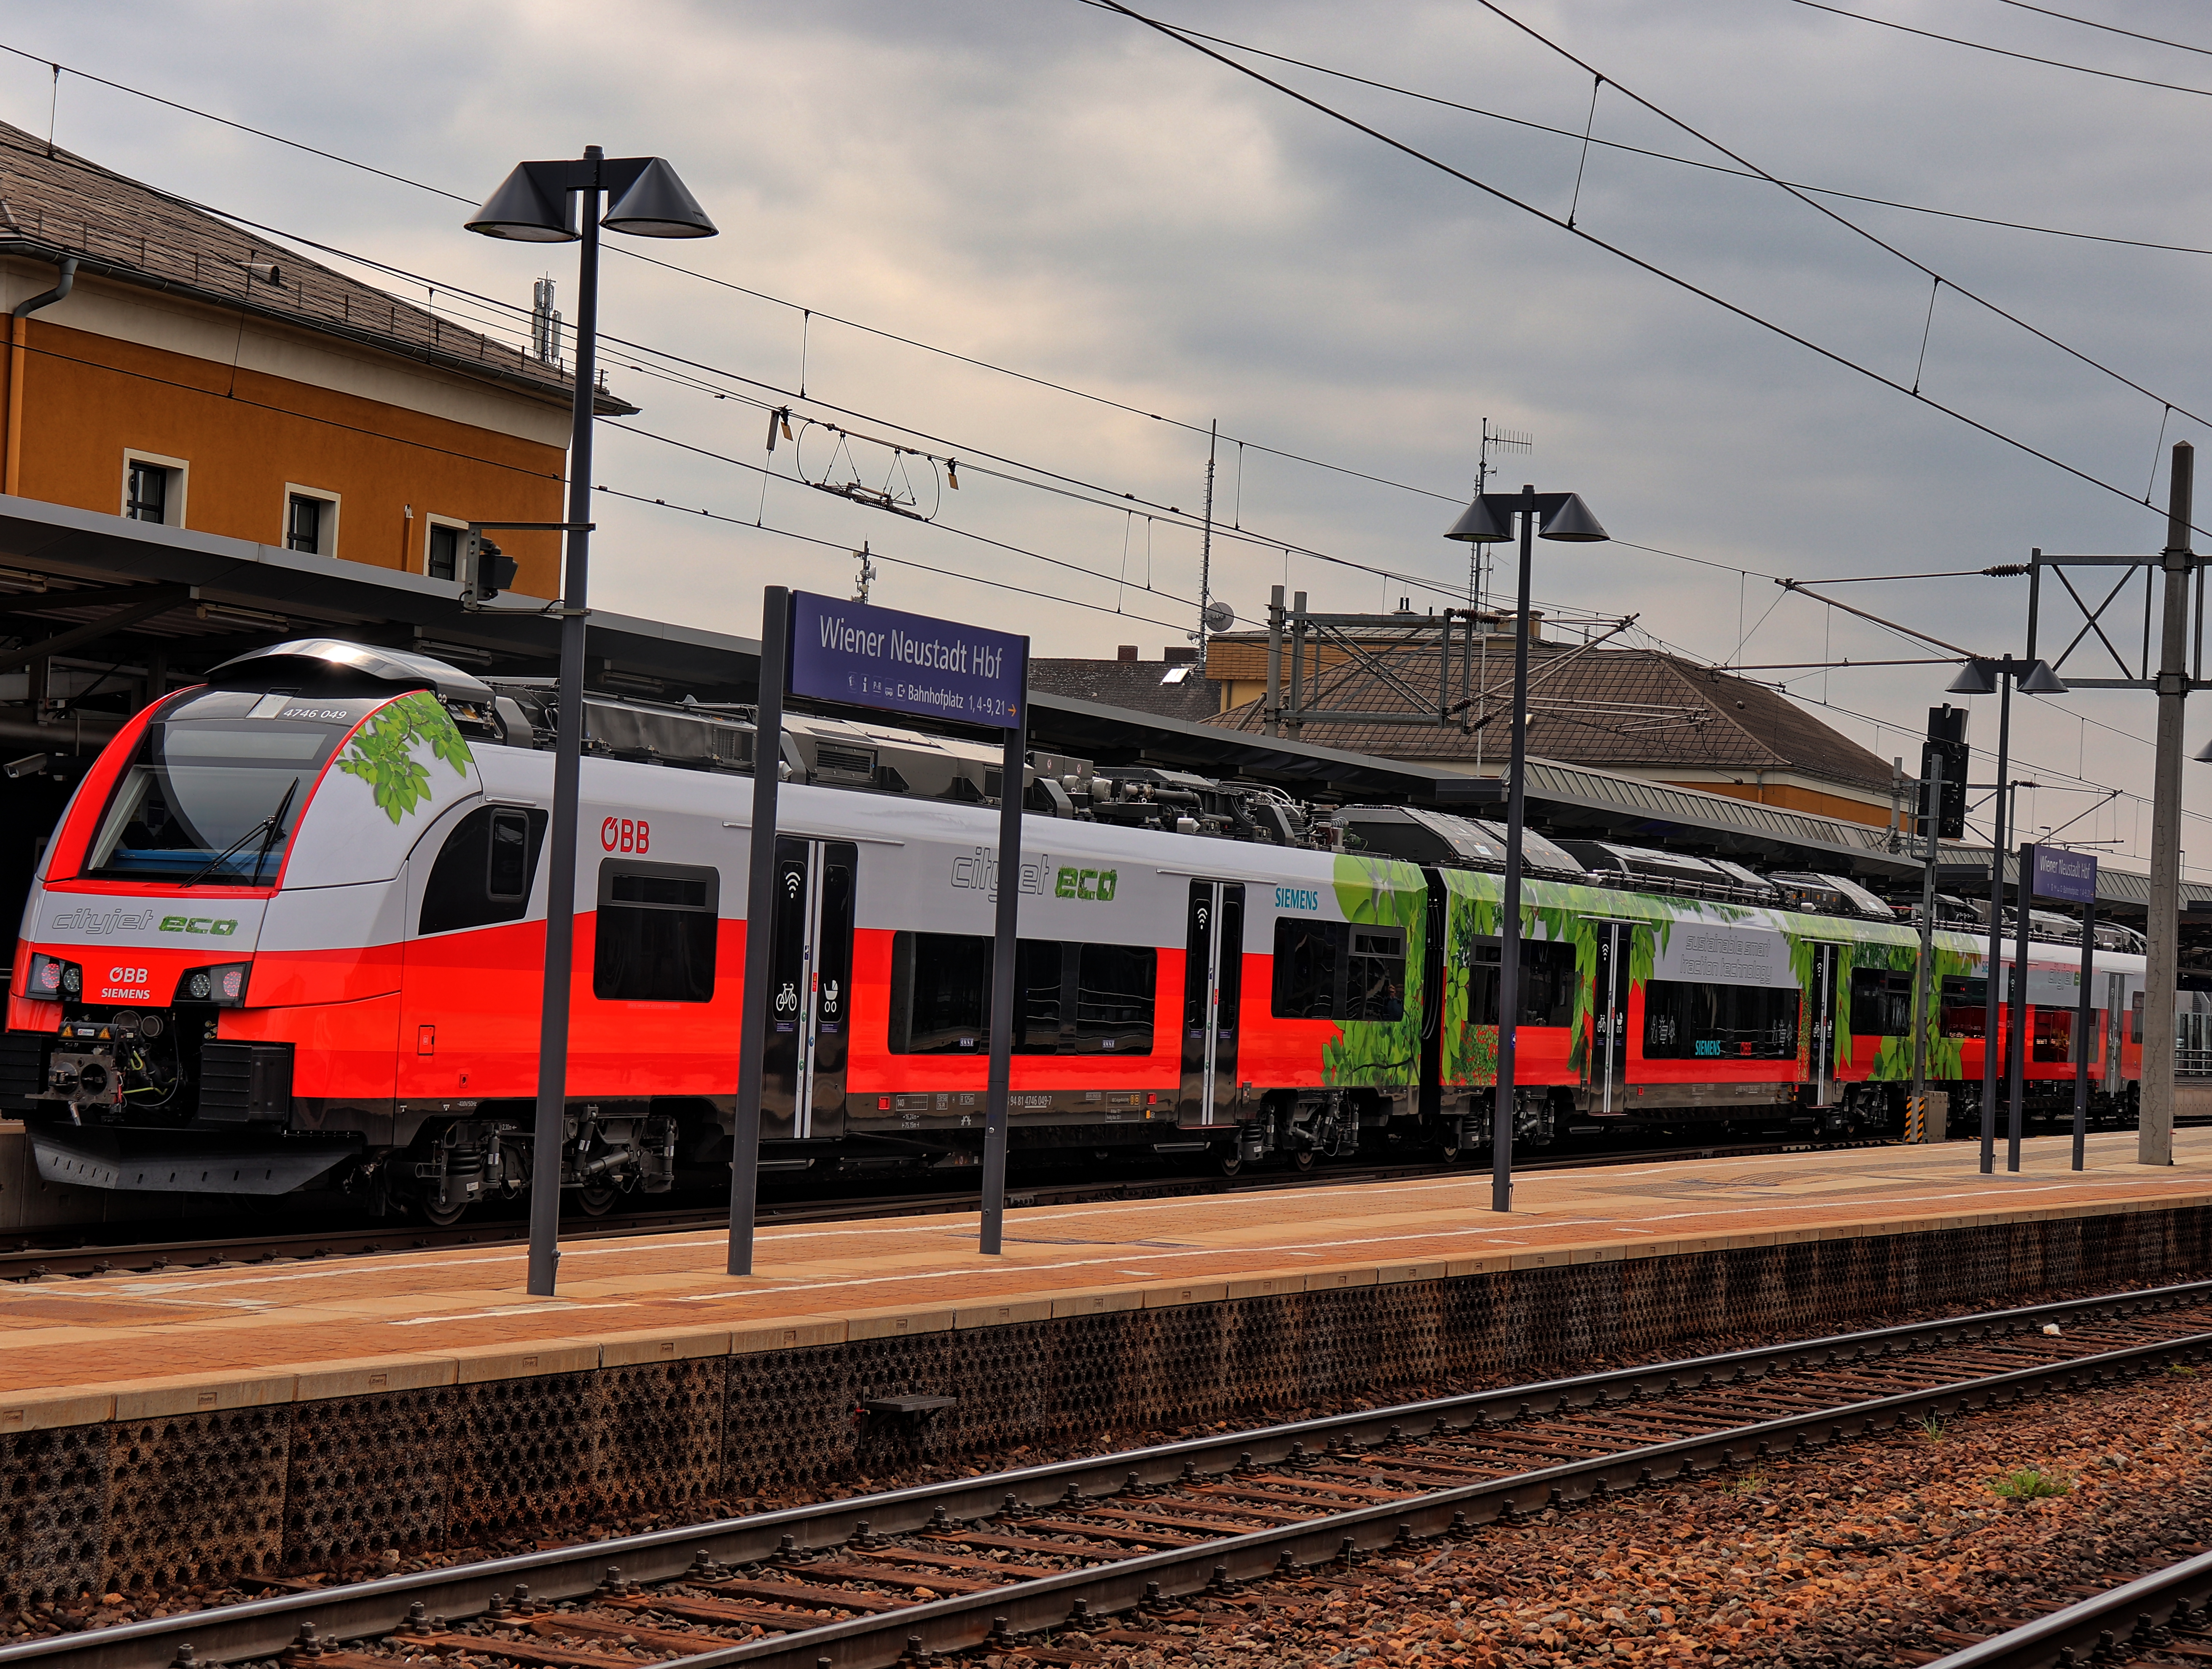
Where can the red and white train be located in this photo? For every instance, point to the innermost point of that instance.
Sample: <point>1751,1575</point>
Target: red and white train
<point>289,935</point>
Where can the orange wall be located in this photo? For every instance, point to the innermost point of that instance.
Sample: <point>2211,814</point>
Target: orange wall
<point>245,434</point>
<point>1794,798</point>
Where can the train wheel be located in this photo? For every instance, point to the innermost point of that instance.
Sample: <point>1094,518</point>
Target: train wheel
<point>1303,1160</point>
<point>1448,1146</point>
<point>1229,1161</point>
<point>596,1202</point>
<point>439,1217</point>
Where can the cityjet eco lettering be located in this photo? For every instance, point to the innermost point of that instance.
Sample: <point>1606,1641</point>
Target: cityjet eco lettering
<point>930,654</point>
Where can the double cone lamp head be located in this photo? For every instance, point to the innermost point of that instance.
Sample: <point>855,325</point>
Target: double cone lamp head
<point>1488,519</point>
<point>1979,678</point>
<point>532,204</point>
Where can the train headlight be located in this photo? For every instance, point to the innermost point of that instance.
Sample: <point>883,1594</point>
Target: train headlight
<point>223,984</point>
<point>50,979</point>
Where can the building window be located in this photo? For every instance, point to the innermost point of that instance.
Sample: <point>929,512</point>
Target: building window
<point>148,497</point>
<point>442,558</point>
<point>154,489</point>
<point>311,521</point>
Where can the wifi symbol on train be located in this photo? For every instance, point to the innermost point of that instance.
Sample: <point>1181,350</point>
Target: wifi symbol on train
<point>792,882</point>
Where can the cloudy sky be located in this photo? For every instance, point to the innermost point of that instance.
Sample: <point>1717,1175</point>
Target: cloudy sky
<point>1046,187</point>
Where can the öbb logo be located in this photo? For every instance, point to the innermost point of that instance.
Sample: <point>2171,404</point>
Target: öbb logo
<point>633,834</point>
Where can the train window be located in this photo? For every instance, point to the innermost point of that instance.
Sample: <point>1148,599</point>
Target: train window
<point>1549,981</point>
<point>1881,1003</point>
<point>484,872</point>
<point>1307,986</point>
<point>1375,975</point>
<point>1965,1007</point>
<point>1114,997</point>
<point>1075,998</point>
<point>2053,1035</point>
<point>948,1011</point>
<point>506,866</point>
<point>2134,1019</point>
<point>210,800</point>
<point>1687,1020</point>
<point>655,937</point>
<point>1336,970</point>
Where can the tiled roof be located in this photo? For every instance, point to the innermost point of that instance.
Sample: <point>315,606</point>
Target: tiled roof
<point>1135,685</point>
<point>54,204</point>
<point>1635,710</point>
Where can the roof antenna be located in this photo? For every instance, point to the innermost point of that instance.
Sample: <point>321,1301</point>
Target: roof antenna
<point>1478,558</point>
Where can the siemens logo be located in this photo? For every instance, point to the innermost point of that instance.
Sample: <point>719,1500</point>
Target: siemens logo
<point>1297,898</point>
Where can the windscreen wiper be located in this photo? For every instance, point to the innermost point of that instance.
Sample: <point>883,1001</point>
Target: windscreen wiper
<point>275,827</point>
<point>268,827</point>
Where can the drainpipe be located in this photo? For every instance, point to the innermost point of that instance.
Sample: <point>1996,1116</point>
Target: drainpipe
<point>18,334</point>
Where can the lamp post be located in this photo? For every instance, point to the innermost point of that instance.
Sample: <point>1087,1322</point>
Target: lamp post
<point>1980,676</point>
<point>532,205</point>
<point>1488,519</point>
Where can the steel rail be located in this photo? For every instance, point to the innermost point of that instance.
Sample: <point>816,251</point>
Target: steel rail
<point>2107,1625</point>
<point>263,1627</point>
<point>970,1620</point>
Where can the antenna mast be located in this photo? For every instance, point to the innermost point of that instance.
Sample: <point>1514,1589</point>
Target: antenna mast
<point>1206,548</point>
<point>1478,556</point>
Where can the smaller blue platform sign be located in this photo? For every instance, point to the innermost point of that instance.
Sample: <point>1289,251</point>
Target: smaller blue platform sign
<point>864,656</point>
<point>2069,876</point>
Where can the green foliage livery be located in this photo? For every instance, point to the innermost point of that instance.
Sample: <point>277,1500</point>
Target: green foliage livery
<point>1382,892</point>
<point>1571,914</point>
<point>383,751</point>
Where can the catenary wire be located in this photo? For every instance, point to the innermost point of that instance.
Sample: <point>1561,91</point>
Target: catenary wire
<point>708,278</point>
<point>2007,51</point>
<point>1833,355</point>
<point>2109,28</point>
<point>1822,209</point>
<point>1668,156</point>
<point>1076,393</point>
<point>877,556</point>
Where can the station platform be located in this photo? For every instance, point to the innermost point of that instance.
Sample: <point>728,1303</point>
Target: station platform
<point>148,1344</point>
<point>164,1429</point>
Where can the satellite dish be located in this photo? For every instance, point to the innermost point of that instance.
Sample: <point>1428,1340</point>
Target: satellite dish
<point>1220,616</point>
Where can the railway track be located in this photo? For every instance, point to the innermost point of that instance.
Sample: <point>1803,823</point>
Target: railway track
<point>1103,1549</point>
<point>64,1252</point>
<point>2165,1614</point>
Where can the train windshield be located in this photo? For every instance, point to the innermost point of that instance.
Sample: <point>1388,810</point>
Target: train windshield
<point>211,801</point>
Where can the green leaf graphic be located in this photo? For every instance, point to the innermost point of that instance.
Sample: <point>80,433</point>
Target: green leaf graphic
<point>382,752</point>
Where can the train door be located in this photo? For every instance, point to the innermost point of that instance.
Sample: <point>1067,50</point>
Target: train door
<point>1212,989</point>
<point>809,988</point>
<point>1827,961</point>
<point>1609,1014</point>
<point>2116,1023</point>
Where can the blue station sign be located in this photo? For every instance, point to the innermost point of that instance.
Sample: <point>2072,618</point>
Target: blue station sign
<point>864,656</point>
<point>2070,876</point>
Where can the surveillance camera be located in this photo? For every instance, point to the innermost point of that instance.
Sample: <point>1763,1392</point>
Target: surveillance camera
<point>29,764</point>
